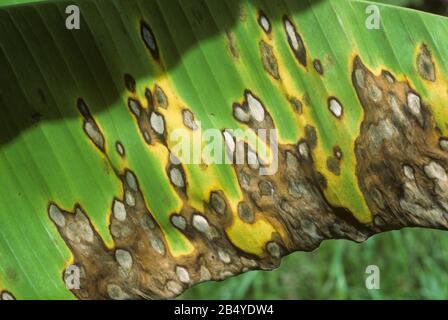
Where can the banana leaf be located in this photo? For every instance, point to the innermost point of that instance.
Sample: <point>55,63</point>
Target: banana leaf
<point>155,144</point>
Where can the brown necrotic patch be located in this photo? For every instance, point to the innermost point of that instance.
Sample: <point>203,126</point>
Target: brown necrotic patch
<point>245,212</point>
<point>151,123</point>
<point>149,98</point>
<point>425,64</point>
<point>333,165</point>
<point>231,44</point>
<point>242,153</point>
<point>269,60</point>
<point>296,104</point>
<point>443,143</point>
<point>337,153</point>
<point>149,39</point>
<point>274,249</point>
<point>218,202</point>
<point>90,126</point>
<point>388,76</point>
<point>318,66</point>
<point>133,268</point>
<point>304,151</point>
<point>399,162</point>
<point>295,41</point>
<point>292,197</point>
<point>140,264</point>
<point>161,99</point>
<point>311,136</point>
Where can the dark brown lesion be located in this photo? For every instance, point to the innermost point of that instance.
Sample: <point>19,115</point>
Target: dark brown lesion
<point>160,98</point>
<point>269,60</point>
<point>264,22</point>
<point>140,265</point>
<point>333,165</point>
<point>311,136</point>
<point>119,147</point>
<point>425,64</point>
<point>296,104</point>
<point>293,196</point>
<point>337,152</point>
<point>149,40</point>
<point>318,66</point>
<point>90,127</point>
<point>232,44</point>
<point>150,121</point>
<point>295,41</point>
<point>401,168</point>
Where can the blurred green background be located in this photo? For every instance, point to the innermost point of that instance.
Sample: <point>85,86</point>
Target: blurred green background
<point>413,262</point>
<point>413,265</point>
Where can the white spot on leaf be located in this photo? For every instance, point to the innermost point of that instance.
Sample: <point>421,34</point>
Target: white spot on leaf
<point>119,210</point>
<point>335,108</point>
<point>56,215</point>
<point>182,274</point>
<point>157,123</point>
<point>414,103</point>
<point>292,36</point>
<point>264,23</point>
<point>176,177</point>
<point>255,107</point>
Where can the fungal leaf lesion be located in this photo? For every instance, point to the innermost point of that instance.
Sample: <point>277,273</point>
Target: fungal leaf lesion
<point>6,295</point>
<point>425,64</point>
<point>295,41</point>
<point>401,161</point>
<point>401,166</point>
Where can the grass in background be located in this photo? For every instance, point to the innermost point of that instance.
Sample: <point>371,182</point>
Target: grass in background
<point>413,265</point>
